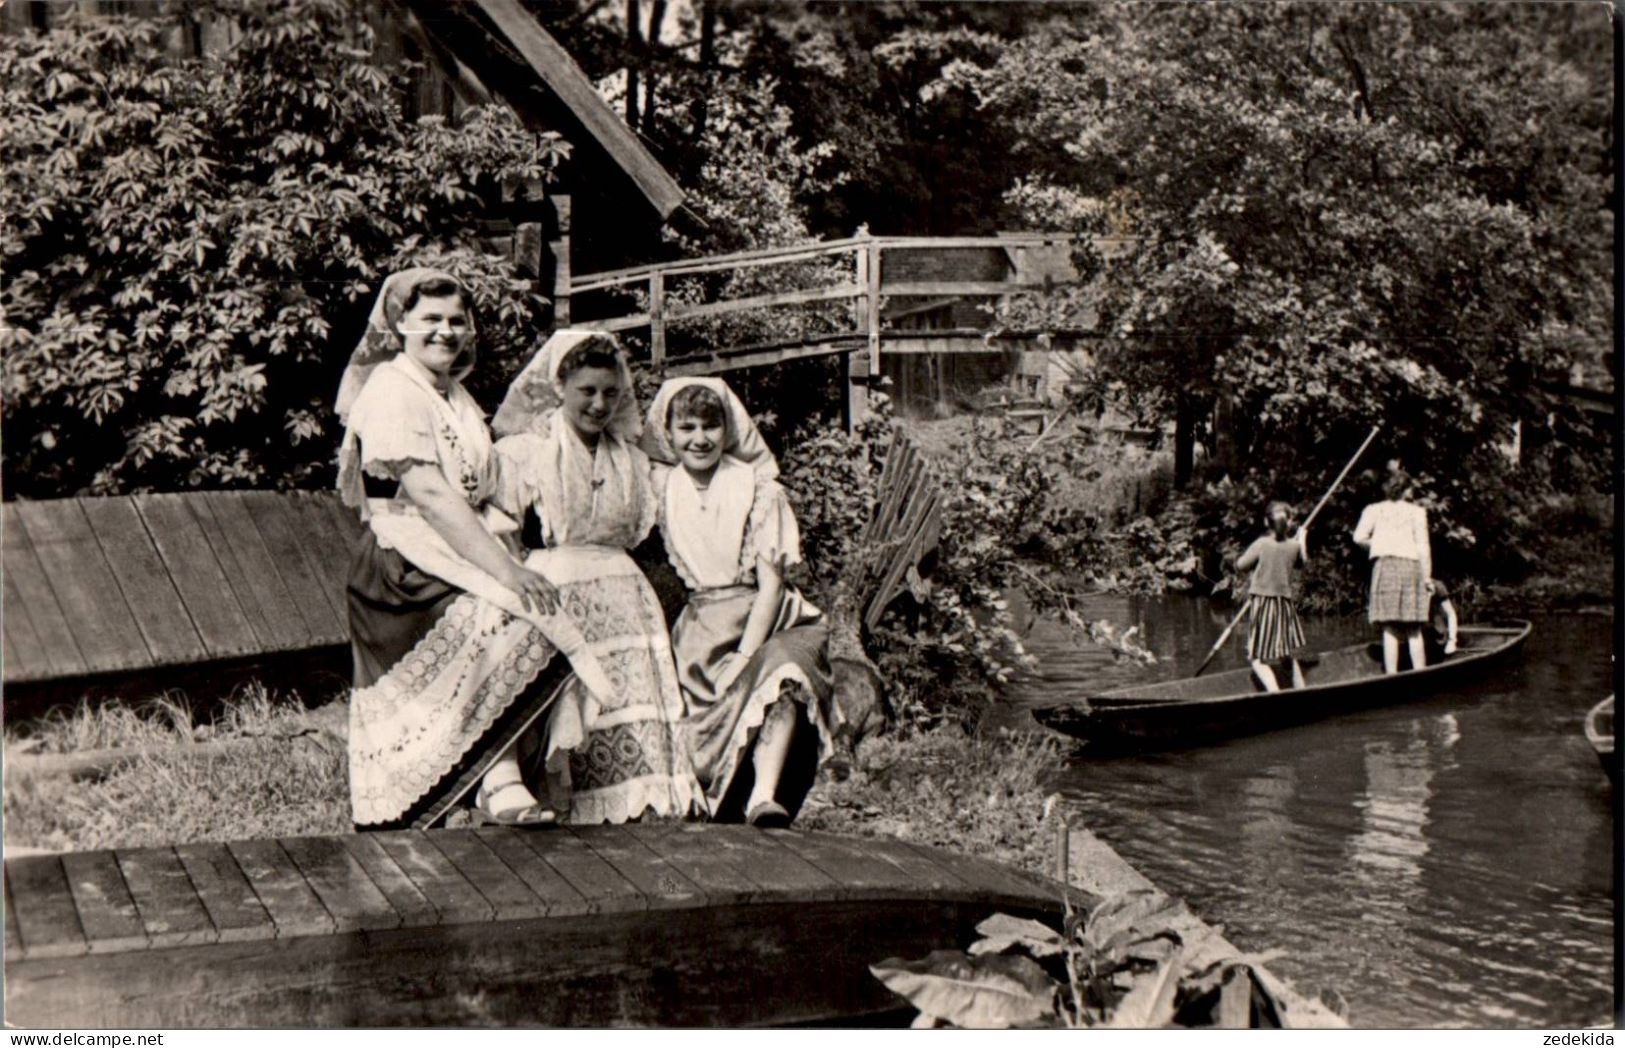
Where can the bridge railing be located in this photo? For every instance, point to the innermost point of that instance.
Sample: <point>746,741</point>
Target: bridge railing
<point>864,284</point>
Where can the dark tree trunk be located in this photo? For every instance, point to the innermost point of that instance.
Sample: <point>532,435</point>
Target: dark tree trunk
<point>1184,441</point>
<point>634,58</point>
<point>657,18</point>
<point>708,57</point>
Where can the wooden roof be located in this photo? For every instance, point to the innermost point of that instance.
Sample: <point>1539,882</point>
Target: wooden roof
<point>99,585</point>
<point>662,924</point>
<point>507,52</point>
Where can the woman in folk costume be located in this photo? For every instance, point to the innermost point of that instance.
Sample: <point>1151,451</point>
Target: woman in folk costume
<point>572,455</point>
<point>450,630</point>
<point>751,651</point>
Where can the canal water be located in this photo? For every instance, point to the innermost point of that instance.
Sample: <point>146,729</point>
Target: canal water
<point>1447,862</point>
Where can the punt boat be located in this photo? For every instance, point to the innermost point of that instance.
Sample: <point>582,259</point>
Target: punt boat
<point>1191,710</point>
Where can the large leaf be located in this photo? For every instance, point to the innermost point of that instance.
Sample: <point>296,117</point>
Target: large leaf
<point>1001,931</point>
<point>1149,1003</point>
<point>1132,915</point>
<point>977,993</point>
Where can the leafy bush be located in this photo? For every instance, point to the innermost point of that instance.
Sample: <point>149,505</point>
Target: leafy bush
<point>944,651</point>
<point>194,245</point>
<point>1125,964</point>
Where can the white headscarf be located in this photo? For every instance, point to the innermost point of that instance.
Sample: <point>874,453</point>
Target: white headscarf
<point>382,340</point>
<point>537,393</point>
<point>597,495</point>
<point>740,437</point>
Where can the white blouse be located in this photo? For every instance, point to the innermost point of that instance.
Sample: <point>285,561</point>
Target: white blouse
<point>715,537</point>
<point>1396,529</point>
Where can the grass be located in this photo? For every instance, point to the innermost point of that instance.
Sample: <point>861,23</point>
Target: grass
<point>272,787</point>
<point>981,794</point>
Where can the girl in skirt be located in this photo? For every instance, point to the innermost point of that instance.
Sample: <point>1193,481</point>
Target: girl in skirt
<point>1275,632</point>
<point>1395,533</point>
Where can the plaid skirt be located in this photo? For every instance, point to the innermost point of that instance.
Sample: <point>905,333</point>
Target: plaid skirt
<point>1275,632</point>
<point>1398,594</point>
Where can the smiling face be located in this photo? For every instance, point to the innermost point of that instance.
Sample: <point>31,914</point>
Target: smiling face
<point>590,396</point>
<point>697,440</point>
<point>435,330</point>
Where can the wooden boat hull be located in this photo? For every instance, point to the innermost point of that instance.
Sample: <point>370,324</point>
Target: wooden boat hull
<point>660,925</point>
<point>1600,734</point>
<point>1195,710</point>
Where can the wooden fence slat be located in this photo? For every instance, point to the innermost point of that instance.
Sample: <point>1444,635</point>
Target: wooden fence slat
<point>20,643</point>
<point>102,623</point>
<point>223,888</point>
<point>106,911</point>
<point>14,937</point>
<point>26,578</point>
<point>163,893</point>
<point>510,899</point>
<point>993,878</point>
<point>46,917</point>
<point>447,890</point>
<point>330,531</point>
<point>661,884</point>
<point>289,547</point>
<point>342,885</point>
<point>403,895</point>
<point>859,874</point>
<point>293,906</point>
<point>601,886</point>
<point>704,864</point>
<point>195,568</point>
<point>685,311</point>
<point>251,570</point>
<point>920,867</point>
<point>550,886</point>
<point>141,575</point>
<point>774,868</point>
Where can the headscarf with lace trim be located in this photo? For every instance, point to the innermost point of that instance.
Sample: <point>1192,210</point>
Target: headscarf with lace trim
<point>382,341</point>
<point>582,494</point>
<point>740,438</point>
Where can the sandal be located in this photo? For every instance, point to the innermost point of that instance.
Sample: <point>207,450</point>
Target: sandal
<point>768,815</point>
<point>532,814</point>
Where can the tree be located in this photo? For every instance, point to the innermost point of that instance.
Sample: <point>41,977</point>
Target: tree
<point>194,245</point>
<point>1340,215</point>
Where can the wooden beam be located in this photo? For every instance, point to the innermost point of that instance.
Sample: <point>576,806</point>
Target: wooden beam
<point>550,61</point>
<point>761,356</point>
<point>683,311</point>
<point>714,263</point>
<point>559,248</point>
<point>464,81</point>
<point>657,318</point>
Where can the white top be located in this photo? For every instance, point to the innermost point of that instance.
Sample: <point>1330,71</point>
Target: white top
<point>715,537</point>
<point>1396,529</point>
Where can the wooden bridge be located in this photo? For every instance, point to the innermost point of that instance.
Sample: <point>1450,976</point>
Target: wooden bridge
<point>668,924</point>
<point>903,295</point>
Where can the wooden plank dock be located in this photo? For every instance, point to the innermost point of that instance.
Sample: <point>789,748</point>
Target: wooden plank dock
<point>133,583</point>
<point>671,924</point>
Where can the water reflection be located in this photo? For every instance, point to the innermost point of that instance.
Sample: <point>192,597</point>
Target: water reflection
<point>1446,862</point>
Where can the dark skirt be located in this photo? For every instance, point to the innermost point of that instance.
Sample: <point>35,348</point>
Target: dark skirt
<point>1399,595</point>
<point>392,606</point>
<point>1275,632</point>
